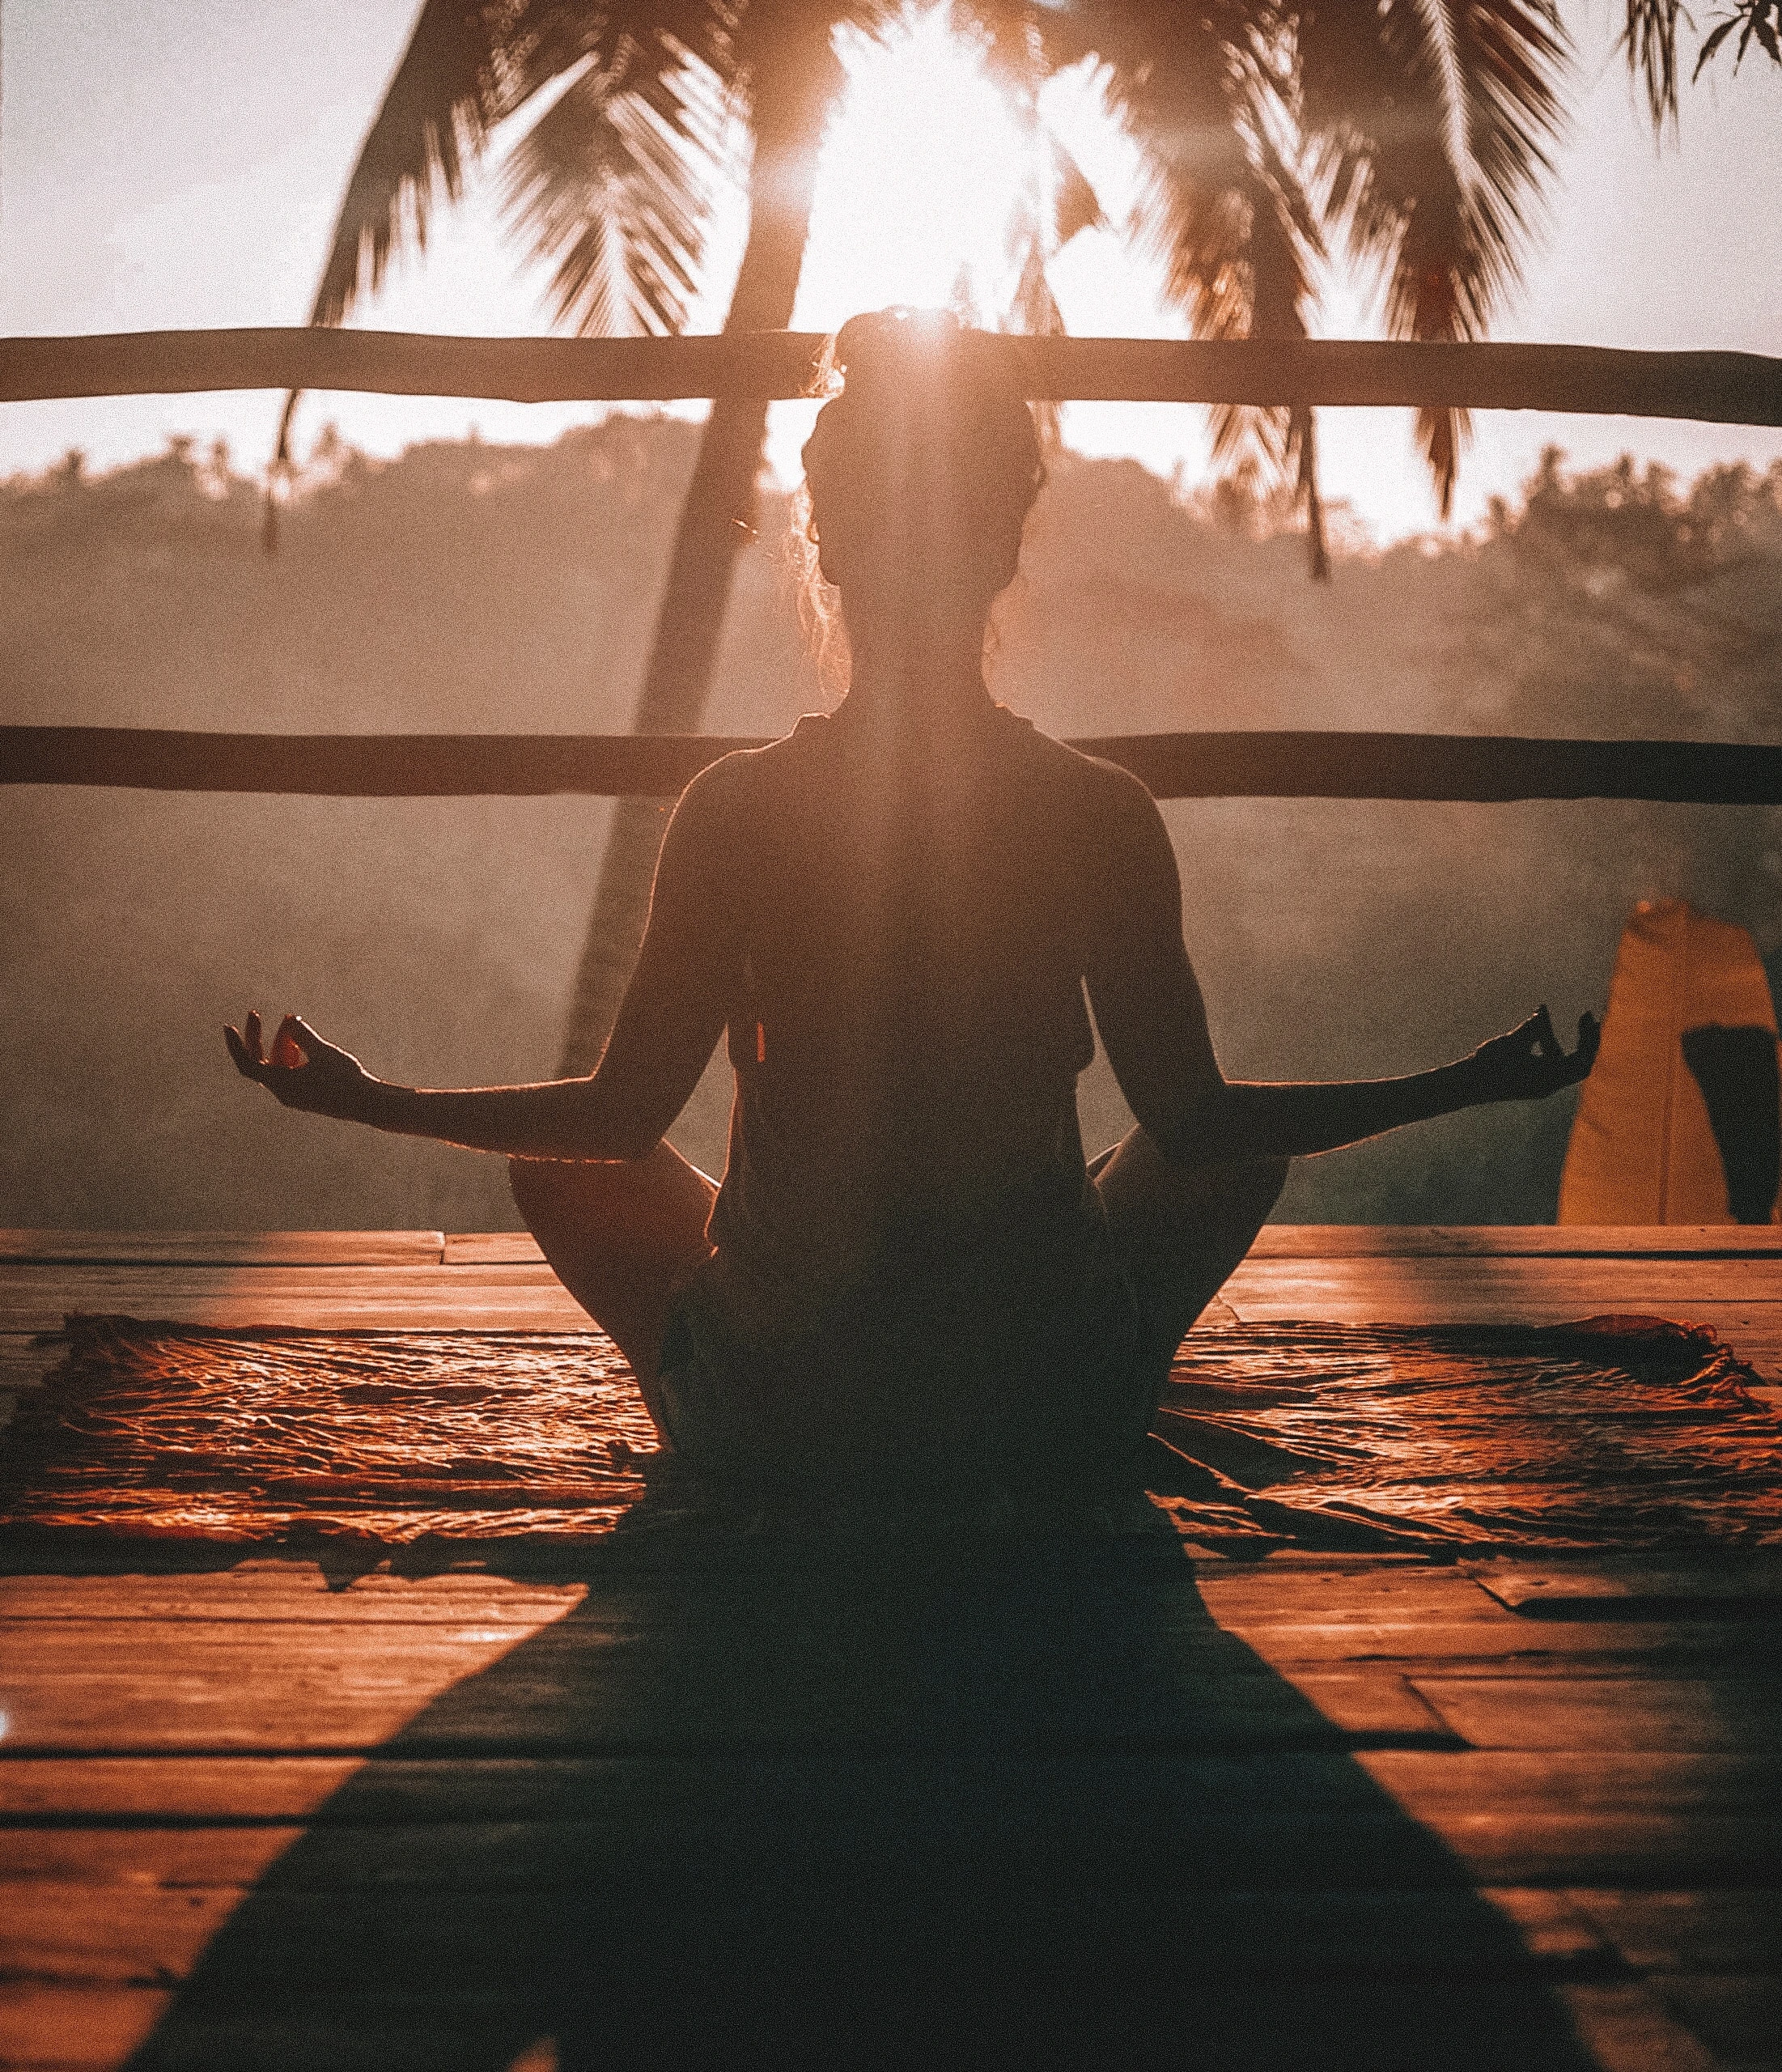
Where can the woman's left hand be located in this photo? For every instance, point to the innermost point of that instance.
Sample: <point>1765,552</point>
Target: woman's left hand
<point>304,1071</point>
<point>1529,1062</point>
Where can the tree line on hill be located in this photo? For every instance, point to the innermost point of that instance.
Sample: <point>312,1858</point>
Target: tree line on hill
<point>467,587</point>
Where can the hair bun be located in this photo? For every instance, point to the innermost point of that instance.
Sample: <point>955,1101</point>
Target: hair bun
<point>926,352</point>
<point>885,345</point>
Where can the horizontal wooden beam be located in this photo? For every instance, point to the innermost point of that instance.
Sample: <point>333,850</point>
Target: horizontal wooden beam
<point>361,766</point>
<point>1720,388</point>
<point>1456,767</point>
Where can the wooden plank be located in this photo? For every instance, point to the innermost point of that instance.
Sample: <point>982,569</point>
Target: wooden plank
<point>1275,1240</point>
<point>222,1247</point>
<point>1703,387</point>
<point>1033,1822</point>
<point>1333,1595</point>
<point>1707,1713</point>
<point>1533,1289</point>
<point>492,1248</point>
<point>499,1282</point>
<point>1637,1588</point>
<point>36,1298</point>
<point>1739,1297</point>
<point>1647,1782</point>
<point>1738,2016</point>
<point>44,2027</point>
<point>1623,1790</point>
<point>48,2028</point>
<point>40,1647</point>
<point>281,1788</point>
<point>36,1651</point>
<point>574,1643</point>
<point>1626,2027</point>
<point>611,1677</point>
<point>1488,2025</point>
<point>1335,1241</point>
<point>1041,1821</point>
<point>280,1591</point>
<point>1612,1648</point>
<point>1359,1241</point>
<point>480,1942</point>
<point>1717,1930</point>
<point>73,1716</point>
<point>364,765</point>
<point>1269,765</point>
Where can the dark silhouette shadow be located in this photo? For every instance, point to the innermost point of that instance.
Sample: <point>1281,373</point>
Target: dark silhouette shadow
<point>927,1805</point>
<point>1736,1071</point>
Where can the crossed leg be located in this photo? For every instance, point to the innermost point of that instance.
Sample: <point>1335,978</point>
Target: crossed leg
<point>624,1238</point>
<point>1180,1231</point>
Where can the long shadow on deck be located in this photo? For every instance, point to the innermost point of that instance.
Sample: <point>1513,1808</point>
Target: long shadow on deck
<point>914,1812</point>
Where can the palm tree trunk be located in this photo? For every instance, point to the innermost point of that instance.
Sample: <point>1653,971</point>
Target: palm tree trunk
<point>792,98</point>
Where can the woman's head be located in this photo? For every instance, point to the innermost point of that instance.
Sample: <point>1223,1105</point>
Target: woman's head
<point>921,472</point>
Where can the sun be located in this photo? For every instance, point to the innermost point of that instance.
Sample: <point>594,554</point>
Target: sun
<point>921,169</point>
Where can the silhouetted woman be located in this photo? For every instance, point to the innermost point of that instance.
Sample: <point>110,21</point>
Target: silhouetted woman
<point>908,1275</point>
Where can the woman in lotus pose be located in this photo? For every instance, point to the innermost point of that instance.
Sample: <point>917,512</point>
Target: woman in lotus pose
<point>908,1275</point>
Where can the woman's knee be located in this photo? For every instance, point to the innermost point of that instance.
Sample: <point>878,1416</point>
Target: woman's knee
<point>1136,1180</point>
<point>552,1199</point>
<point>554,1190</point>
<point>652,1208</point>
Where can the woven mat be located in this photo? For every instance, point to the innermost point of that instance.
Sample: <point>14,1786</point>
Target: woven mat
<point>1617,1432</point>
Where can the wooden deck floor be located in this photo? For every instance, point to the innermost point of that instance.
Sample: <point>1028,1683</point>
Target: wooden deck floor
<point>1115,1808</point>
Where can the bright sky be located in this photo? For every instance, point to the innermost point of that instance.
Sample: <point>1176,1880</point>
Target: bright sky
<point>169,162</point>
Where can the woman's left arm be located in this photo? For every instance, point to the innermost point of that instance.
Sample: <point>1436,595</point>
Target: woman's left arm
<point>668,1026</point>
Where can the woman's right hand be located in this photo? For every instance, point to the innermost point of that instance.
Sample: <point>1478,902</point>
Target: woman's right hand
<point>304,1070</point>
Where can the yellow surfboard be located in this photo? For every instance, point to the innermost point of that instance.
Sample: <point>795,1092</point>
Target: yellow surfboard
<point>1691,1023</point>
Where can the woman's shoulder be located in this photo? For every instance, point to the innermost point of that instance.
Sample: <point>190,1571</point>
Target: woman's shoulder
<point>1099,787</point>
<point>747,775</point>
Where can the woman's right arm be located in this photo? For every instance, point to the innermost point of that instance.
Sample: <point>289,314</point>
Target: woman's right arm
<point>569,1118</point>
<point>1153,1023</point>
<point>668,1025</point>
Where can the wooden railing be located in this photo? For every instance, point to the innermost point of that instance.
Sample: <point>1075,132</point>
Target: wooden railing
<point>1485,767</point>
<point>1720,388</point>
<point>1724,388</point>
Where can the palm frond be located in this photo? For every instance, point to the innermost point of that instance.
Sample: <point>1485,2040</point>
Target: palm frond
<point>1172,85</point>
<point>614,182</point>
<point>1075,206</point>
<point>1758,21</point>
<point>469,66</point>
<point>1648,39</point>
<point>454,83</point>
<point>1430,124</point>
<point>1007,36</point>
<point>1282,240</point>
<point>1226,213</point>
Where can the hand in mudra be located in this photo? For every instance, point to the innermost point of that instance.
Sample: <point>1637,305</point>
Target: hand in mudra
<point>304,1071</point>
<point>1529,1062</point>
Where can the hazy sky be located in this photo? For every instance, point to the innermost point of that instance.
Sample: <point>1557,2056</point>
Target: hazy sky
<point>169,162</point>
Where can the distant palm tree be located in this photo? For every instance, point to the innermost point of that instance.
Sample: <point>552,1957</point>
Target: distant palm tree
<point>1415,132</point>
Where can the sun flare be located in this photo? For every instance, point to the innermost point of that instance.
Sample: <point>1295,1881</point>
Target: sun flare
<point>921,170</point>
